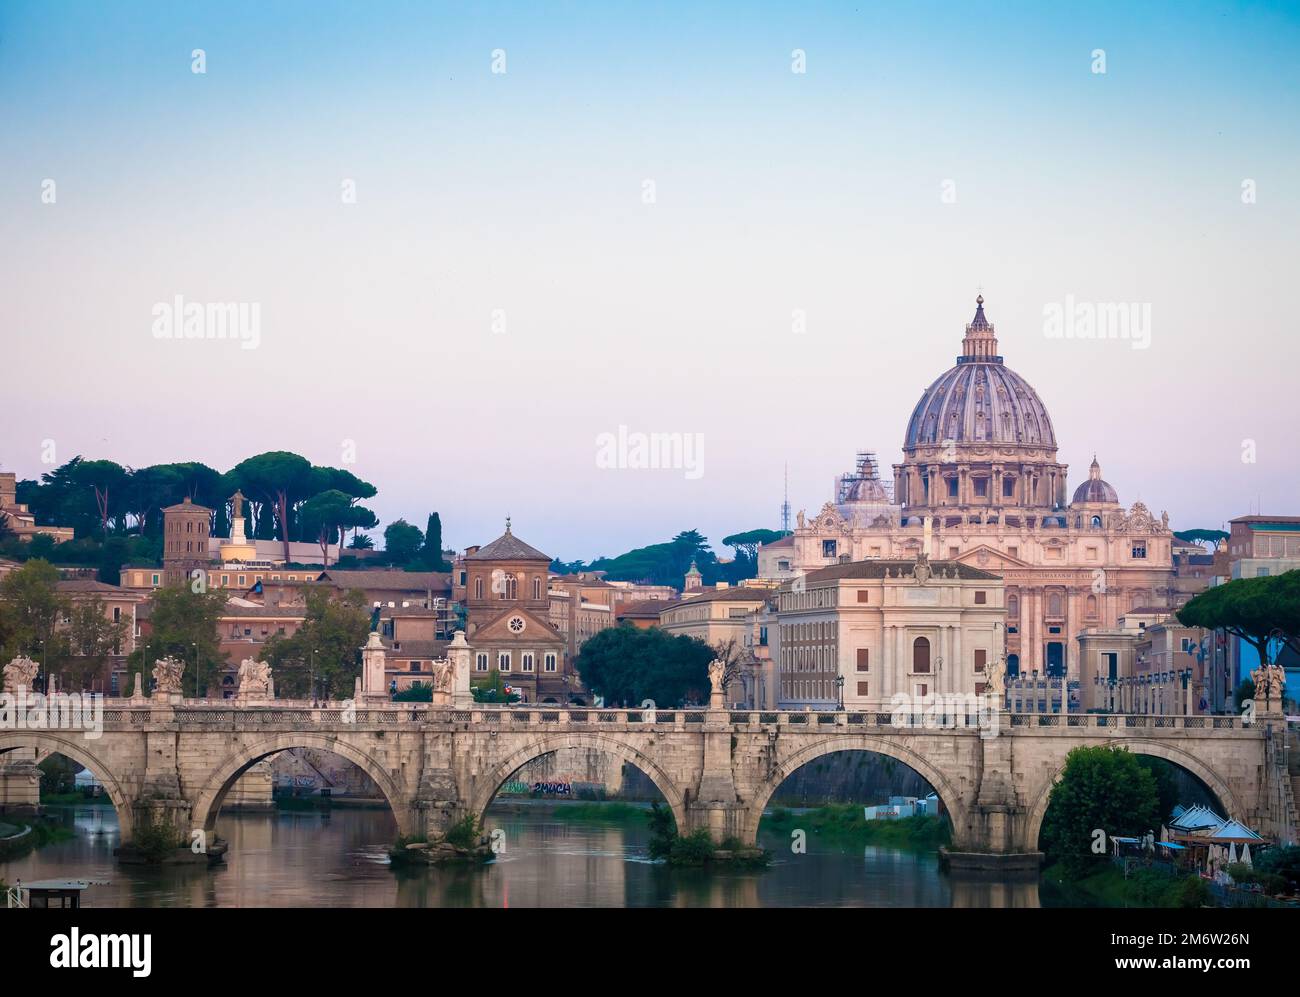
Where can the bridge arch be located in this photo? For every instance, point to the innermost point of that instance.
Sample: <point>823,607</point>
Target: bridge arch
<point>1177,756</point>
<point>76,749</point>
<point>485,787</point>
<point>219,782</point>
<point>949,794</point>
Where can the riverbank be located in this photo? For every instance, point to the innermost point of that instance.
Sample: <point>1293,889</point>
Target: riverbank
<point>1109,887</point>
<point>845,821</point>
<point>18,837</point>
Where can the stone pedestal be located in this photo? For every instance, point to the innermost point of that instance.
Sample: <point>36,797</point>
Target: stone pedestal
<point>458,652</point>
<point>374,685</point>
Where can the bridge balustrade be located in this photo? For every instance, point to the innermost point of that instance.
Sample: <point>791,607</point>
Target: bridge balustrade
<point>294,717</point>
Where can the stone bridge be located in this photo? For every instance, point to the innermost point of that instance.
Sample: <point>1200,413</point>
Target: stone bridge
<point>715,768</point>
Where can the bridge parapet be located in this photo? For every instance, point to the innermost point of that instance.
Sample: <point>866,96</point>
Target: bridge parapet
<point>296,716</point>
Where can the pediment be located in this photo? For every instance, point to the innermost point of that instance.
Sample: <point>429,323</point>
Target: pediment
<point>536,629</point>
<point>989,559</point>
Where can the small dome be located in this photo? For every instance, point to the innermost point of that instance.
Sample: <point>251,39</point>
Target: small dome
<point>1095,490</point>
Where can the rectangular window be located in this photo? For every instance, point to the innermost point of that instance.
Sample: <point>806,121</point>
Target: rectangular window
<point>981,598</point>
<point>155,579</point>
<point>952,487</point>
<point>1140,550</point>
<point>862,689</point>
<point>981,487</point>
<point>828,548</point>
<point>981,658</point>
<point>1013,551</point>
<point>1008,487</point>
<point>862,595</point>
<point>864,659</point>
<point>953,552</point>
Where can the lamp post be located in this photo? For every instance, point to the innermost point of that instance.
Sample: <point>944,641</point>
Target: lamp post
<point>839,687</point>
<point>195,644</point>
<point>311,675</point>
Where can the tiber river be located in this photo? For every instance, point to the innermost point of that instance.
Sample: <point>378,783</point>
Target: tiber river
<point>338,859</point>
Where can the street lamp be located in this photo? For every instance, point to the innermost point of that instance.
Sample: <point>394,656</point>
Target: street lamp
<point>312,675</point>
<point>195,645</point>
<point>839,687</point>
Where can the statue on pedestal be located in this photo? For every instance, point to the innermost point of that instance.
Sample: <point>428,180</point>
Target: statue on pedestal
<point>717,675</point>
<point>167,675</point>
<point>254,679</point>
<point>19,674</point>
<point>995,680</point>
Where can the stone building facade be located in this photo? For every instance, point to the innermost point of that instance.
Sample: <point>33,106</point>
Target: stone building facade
<point>509,628</point>
<point>980,484</point>
<point>860,633</point>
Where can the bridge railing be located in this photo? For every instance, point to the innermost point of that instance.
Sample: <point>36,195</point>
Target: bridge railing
<point>126,715</point>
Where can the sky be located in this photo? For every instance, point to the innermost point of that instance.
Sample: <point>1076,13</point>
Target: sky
<point>477,240</point>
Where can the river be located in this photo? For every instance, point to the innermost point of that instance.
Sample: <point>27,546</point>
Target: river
<point>339,859</point>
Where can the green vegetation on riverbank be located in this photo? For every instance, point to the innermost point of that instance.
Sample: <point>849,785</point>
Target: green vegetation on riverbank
<point>698,848</point>
<point>43,832</point>
<point>1108,887</point>
<point>75,798</point>
<point>846,821</point>
<point>604,813</point>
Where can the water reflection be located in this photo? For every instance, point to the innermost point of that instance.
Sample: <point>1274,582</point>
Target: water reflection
<point>339,859</point>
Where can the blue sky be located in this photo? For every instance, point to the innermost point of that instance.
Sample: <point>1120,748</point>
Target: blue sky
<point>520,194</point>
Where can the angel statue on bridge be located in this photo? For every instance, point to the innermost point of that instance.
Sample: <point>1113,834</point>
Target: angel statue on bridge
<point>19,674</point>
<point>995,680</point>
<point>444,675</point>
<point>167,674</point>
<point>254,678</point>
<point>717,676</point>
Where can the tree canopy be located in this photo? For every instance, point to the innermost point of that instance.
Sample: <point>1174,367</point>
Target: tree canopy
<point>1211,537</point>
<point>1261,611</point>
<point>324,655</point>
<point>185,627</point>
<point>627,665</point>
<point>667,563</point>
<point>1101,788</point>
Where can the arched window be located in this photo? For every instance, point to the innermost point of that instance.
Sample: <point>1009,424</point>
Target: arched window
<point>510,590</point>
<point>537,587</point>
<point>1096,522</point>
<point>478,587</point>
<point>1091,607</point>
<point>1013,605</point>
<point>921,655</point>
<point>1055,605</point>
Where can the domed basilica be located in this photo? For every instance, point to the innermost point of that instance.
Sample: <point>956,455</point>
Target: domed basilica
<point>980,483</point>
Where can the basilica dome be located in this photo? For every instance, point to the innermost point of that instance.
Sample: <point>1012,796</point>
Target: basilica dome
<point>1095,489</point>
<point>980,400</point>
